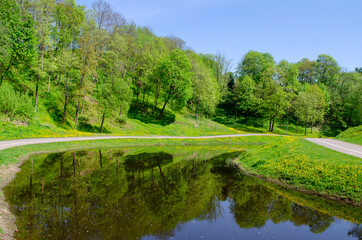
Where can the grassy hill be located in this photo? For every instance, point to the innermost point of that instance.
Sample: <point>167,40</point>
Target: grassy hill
<point>141,120</point>
<point>352,135</point>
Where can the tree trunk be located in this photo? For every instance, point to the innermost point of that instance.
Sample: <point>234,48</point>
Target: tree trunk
<point>197,109</point>
<point>7,69</point>
<point>50,74</point>
<point>76,115</point>
<point>305,131</point>
<point>207,114</point>
<point>272,129</point>
<point>83,104</point>
<point>59,78</point>
<point>156,98</point>
<point>270,123</point>
<point>287,125</point>
<point>143,100</point>
<point>65,106</point>
<point>1,79</point>
<point>192,104</point>
<point>36,93</point>
<point>100,129</point>
<point>236,110</point>
<point>120,110</point>
<point>163,109</point>
<point>81,80</point>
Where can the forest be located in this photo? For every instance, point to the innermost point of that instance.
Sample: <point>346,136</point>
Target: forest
<point>62,60</point>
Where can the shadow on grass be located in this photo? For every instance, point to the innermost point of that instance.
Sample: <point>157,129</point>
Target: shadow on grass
<point>230,122</point>
<point>84,126</point>
<point>148,114</point>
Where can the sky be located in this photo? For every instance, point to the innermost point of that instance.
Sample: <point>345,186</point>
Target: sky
<point>287,29</point>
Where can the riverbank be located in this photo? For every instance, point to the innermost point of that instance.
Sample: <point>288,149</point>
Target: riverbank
<point>307,167</point>
<point>281,159</point>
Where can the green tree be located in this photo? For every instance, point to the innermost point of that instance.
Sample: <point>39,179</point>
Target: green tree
<point>205,87</point>
<point>310,106</point>
<point>327,70</point>
<point>255,64</point>
<point>19,47</point>
<point>175,77</point>
<point>307,71</point>
<point>244,94</point>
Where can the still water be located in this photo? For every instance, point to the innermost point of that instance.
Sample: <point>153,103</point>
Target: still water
<point>165,193</point>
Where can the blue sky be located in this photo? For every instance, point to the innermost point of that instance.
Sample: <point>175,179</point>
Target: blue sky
<point>289,30</point>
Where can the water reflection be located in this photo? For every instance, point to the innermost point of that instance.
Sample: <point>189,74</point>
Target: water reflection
<point>115,194</point>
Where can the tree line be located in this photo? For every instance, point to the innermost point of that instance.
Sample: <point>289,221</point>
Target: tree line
<point>61,51</point>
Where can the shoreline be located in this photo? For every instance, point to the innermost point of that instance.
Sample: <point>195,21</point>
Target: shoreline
<point>9,170</point>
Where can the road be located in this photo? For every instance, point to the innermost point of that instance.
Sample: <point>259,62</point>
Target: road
<point>343,147</point>
<point>347,148</point>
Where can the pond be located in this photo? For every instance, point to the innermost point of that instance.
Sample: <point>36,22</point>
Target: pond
<point>165,193</point>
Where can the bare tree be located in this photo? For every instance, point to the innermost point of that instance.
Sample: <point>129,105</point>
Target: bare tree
<point>105,17</point>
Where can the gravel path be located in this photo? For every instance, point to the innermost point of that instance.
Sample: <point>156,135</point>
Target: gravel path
<point>343,147</point>
<point>347,148</point>
<point>21,142</point>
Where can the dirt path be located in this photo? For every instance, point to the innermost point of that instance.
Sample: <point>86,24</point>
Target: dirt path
<point>21,142</point>
<point>343,147</point>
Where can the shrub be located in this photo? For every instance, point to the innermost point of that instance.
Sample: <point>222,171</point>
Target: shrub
<point>14,103</point>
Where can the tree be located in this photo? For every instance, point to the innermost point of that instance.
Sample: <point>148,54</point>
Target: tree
<point>205,87</point>
<point>255,64</point>
<point>327,70</point>
<point>19,40</point>
<point>307,71</point>
<point>310,106</point>
<point>244,92</point>
<point>175,77</point>
<point>287,75</point>
<point>220,66</point>
<point>273,102</point>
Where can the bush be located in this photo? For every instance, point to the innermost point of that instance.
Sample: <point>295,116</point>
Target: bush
<point>14,103</point>
<point>121,120</point>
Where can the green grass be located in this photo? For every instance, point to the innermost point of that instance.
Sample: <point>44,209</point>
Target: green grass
<point>139,123</point>
<point>305,165</point>
<point>352,135</point>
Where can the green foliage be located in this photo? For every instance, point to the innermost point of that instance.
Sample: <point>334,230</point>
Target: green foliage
<point>14,104</point>
<point>175,76</point>
<point>310,105</point>
<point>255,64</point>
<point>353,135</point>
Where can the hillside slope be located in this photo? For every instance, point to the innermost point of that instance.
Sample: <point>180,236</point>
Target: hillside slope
<point>352,135</point>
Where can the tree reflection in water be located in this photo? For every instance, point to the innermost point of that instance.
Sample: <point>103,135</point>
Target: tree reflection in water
<point>111,194</point>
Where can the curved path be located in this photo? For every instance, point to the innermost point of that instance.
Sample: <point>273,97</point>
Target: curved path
<point>347,148</point>
<point>343,147</point>
<point>21,142</point>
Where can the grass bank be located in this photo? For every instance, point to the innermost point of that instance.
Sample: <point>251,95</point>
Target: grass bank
<point>352,135</point>
<point>137,126</point>
<point>306,166</point>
